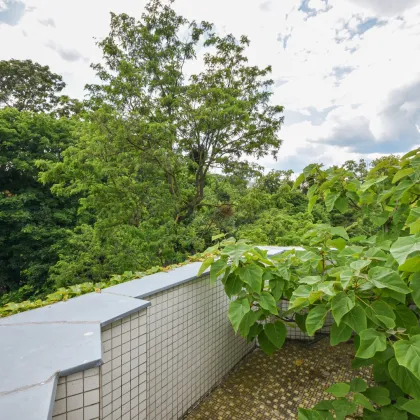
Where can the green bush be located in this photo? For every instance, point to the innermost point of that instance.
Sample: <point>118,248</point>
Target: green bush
<point>370,284</point>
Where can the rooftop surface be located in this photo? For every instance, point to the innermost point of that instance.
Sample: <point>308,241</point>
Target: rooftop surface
<point>274,387</point>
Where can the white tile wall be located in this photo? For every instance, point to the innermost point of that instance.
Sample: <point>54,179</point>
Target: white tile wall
<point>77,396</point>
<point>157,362</point>
<point>191,346</point>
<point>123,373</point>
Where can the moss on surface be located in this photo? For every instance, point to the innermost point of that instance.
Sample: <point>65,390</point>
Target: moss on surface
<point>268,388</point>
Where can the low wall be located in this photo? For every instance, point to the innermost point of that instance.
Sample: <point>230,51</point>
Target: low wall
<point>146,349</point>
<point>158,362</point>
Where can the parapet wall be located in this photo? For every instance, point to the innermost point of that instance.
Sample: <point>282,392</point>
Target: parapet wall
<point>158,362</point>
<point>148,349</point>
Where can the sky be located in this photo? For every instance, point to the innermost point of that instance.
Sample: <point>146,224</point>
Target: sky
<point>345,70</point>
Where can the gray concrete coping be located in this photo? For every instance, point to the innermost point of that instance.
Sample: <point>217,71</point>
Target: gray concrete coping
<point>39,345</point>
<point>102,308</point>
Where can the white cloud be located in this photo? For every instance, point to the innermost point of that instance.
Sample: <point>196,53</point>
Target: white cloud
<point>346,76</point>
<point>317,5</point>
<point>387,7</point>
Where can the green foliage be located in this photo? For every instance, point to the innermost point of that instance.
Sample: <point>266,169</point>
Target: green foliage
<point>33,222</point>
<point>65,293</point>
<point>28,86</point>
<point>183,124</point>
<point>369,283</point>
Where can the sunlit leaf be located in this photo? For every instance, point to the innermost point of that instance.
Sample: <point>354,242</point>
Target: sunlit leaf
<point>407,353</point>
<point>276,333</point>
<point>339,389</point>
<point>386,278</point>
<point>267,301</point>
<point>341,304</point>
<point>315,319</point>
<point>404,379</point>
<point>237,309</point>
<point>371,341</point>
<point>251,274</point>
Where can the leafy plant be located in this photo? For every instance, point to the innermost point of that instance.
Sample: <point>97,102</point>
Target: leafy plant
<point>65,293</point>
<point>369,283</point>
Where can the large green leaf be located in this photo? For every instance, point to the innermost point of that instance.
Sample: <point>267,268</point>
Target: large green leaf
<point>341,304</point>
<point>300,296</point>
<point>324,405</point>
<point>415,287</point>
<point>358,385</point>
<point>338,243</point>
<point>251,274</point>
<point>206,264</point>
<point>386,278</point>
<point>312,202</point>
<point>277,287</point>
<point>340,334</point>
<point>276,333</point>
<point>233,285</point>
<point>339,231</point>
<point>364,402</point>
<point>315,319</point>
<point>300,320</point>
<point>405,318</point>
<point>402,173</point>
<point>343,408</point>
<point>330,199</point>
<point>356,319</point>
<point>378,395</point>
<point>248,320</point>
<point>380,372</point>
<point>410,154</point>
<point>310,280</point>
<point>237,309</point>
<point>359,265</point>
<point>342,204</point>
<point>369,183</point>
<point>402,189</point>
<point>380,312</point>
<point>413,407</point>
<point>404,379</point>
<point>217,268</point>
<point>299,180</point>
<point>254,331</point>
<point>266,345</point>
<point>236,251</point>
<point>371,341</point>
<point>405,246</point>
<point>339,389</point>
<point>391,413</point>
<point>413,220</point>
<point>267,301</point>
<point>412,265</point>
<point>407,353</point>
<point>346,276</point>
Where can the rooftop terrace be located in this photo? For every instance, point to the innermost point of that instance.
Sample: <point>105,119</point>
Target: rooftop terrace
<point>151,348</point>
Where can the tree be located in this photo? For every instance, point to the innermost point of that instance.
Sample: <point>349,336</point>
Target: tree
<point>272,182</point>
<point>370,285</point>
<point>276,227</point>
<point>32,220</point>
<point>210,120</point>
<point>28,86</point>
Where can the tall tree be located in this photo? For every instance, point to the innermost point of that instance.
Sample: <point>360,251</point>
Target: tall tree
<point>32,220</point>
<point>28,86</point>
<point>211,119</point>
